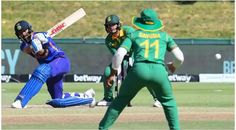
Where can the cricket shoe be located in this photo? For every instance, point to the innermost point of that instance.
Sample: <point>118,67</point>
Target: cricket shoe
<point>17,104</point>
<point>93,103</point>
<point>103,103</point>
<point>157,104</point>
<point>90,93</point>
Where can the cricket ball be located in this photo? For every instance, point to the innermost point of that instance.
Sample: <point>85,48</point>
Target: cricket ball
<point>218,56</point>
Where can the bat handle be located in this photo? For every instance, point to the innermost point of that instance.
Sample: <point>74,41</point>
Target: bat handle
<point>116,86</point>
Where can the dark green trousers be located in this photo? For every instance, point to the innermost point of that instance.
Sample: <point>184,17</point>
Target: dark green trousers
<point>108,91</point>
<point>142,75</point>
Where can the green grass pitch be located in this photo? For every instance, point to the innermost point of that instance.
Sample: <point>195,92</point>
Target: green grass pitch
<point>202,106</point>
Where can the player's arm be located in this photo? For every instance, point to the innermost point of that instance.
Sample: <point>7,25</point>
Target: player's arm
<point>127,31</point>
<point>111,49</point>
<point>26,48</point>
<point>178,59</point>
<point>37,45</point>
<point>117,60</point>
<point>38,49</point>
<point>178,54</point>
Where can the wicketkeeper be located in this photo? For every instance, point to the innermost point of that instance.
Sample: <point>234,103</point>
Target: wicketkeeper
<point>53,64</point>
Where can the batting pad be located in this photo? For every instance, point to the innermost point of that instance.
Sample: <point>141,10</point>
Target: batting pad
<point>70,101</point>
<point>31,88</point>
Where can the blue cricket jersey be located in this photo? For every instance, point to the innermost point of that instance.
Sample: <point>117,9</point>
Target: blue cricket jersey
<point>53,50</point>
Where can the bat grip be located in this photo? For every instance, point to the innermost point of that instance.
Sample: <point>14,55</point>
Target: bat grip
<point>116,86</point>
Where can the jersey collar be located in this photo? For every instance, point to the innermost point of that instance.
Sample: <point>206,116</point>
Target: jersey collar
<point>122,33</point>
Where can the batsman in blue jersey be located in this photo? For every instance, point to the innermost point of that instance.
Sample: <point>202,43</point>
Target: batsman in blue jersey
<point>53,65</point>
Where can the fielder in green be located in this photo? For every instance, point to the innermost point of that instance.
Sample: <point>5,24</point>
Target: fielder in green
<point>149,46</point>
<point>116,35</point>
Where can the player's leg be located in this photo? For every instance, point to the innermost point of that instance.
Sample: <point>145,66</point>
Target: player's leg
<point>55,89</point>
<point>89,93</point>
<point>55,86</point>
<point>163,90</point>
<point>128,90</point>
<point>60,66</point>
<point>70,101</point>
<point>72,94</point>
<point>32,87</point>
<point>85,98</point>
<point>156,102</point>
<point>108,91</point>
<point>125,67</point>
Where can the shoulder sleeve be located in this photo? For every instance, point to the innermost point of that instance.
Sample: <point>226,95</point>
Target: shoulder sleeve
<point>128,29</point>
<point>170,42</point>
<point>23,45</point>
<point>127,44</point>
<point>42,37</point>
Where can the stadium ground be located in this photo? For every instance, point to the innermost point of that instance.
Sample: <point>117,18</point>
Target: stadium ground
<point>204,106</point>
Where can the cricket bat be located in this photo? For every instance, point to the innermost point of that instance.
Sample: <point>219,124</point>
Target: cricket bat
<point>68,21</point>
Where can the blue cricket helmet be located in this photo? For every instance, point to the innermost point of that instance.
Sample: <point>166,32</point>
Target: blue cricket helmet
<point>20,27</point>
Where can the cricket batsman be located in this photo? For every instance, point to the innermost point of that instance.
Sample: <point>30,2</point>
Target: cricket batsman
<point>53,65</point>
<point>116,35</point>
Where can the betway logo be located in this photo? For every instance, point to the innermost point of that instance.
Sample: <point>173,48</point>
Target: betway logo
<point>58,28</point>
<point>87,78</point>
<point>179,78</point>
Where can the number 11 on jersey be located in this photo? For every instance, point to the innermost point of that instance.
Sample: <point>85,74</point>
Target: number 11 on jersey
<point>149,45</point>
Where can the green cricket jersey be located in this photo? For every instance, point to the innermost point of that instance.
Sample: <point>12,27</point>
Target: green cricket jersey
<point>149,46</point>
<point>114,43</point>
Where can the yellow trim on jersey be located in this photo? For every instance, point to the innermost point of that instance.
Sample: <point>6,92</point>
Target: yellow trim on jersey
<point>122,33</point>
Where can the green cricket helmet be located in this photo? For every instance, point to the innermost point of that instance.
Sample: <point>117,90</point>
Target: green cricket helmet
<point>112,20</point>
